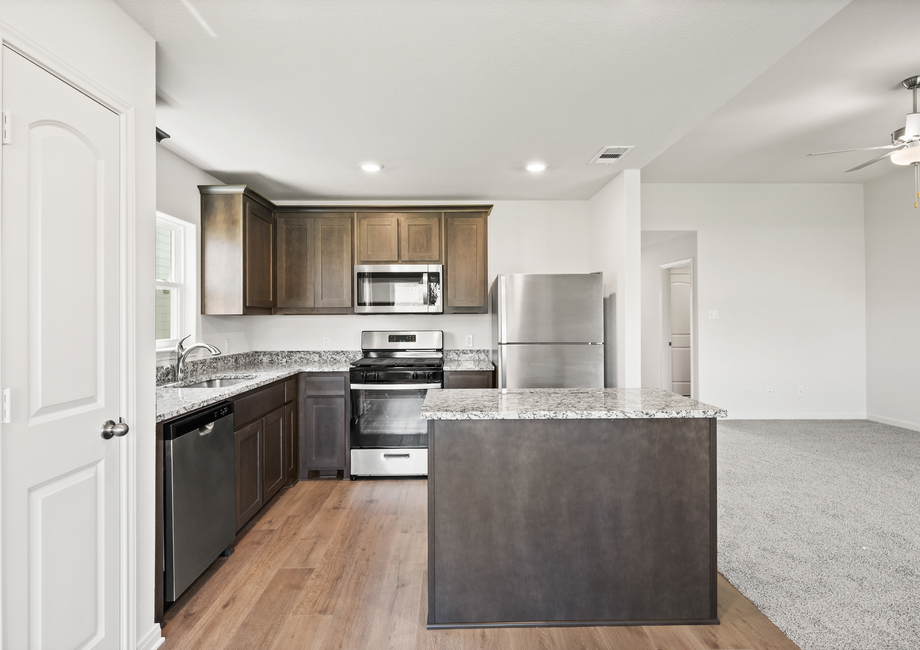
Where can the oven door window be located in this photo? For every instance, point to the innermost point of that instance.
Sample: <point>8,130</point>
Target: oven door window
<point>383,419</point>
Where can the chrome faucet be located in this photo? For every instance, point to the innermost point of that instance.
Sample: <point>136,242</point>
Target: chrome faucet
<point>183,352</point>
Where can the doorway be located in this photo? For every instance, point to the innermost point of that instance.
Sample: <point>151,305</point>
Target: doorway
<point>677,325</point>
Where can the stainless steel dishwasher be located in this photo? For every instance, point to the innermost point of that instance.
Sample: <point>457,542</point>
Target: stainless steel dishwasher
<point>199,494</point>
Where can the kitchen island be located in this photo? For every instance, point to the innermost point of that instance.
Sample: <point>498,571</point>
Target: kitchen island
<point>559,507</point>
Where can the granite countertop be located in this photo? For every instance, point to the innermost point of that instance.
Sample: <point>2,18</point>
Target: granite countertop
<point>259,368</point>
<point>467,360</point>
<point>563,404</point>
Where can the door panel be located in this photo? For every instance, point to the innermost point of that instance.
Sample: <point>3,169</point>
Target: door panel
<point>536,308</point>
<point>334,270</point>
<point>61,339</point>
<point>273,463</point>
<point>551,366</point>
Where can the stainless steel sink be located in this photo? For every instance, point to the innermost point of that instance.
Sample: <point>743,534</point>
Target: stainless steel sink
<point>219,382</point>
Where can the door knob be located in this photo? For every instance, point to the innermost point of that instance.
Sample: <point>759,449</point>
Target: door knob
<point>110,429</point>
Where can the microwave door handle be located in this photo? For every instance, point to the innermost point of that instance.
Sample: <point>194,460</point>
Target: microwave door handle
<point>425,288</point>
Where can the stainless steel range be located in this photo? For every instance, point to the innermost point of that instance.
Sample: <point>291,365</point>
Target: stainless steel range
<point>388,387</point>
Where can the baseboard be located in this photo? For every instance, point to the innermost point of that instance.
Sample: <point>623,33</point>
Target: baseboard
<point>913,426</point>
<point>734,415</point>
<point>154,639</point>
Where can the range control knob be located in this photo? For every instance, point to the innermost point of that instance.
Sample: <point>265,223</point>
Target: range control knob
<point>414,375</point>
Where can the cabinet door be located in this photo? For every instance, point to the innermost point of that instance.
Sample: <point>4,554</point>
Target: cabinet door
<point>378,238</point>
<point>323,433</point>
<point>466,264</point>
<point>273,463</point>
<point>257,256</point>
<point>468,379</point>
<point>290,443</point>
<point>296,260</point>
<point>334,270</point>
<point>248,474</point>
<point>420,238</point>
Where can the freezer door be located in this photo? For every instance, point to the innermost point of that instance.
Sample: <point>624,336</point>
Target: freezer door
<point>538,308</point>
<point>550,366</point>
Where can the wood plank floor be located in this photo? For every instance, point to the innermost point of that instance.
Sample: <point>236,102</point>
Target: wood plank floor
<point>340,564</point>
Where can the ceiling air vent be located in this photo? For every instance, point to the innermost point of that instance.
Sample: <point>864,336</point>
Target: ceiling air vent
<point>609,155</point>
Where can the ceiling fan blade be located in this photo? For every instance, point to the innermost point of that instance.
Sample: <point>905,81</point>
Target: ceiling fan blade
<point>874,160</point>
<point>886,146</point>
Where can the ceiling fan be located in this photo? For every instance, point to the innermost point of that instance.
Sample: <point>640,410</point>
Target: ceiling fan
<point>905,142</point>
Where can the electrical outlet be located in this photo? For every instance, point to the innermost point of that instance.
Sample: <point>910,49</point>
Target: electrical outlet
<point>801,391</point>
<point>713,314</point>
<point>325,342</point>
<point>226,346</point>
<point>769,391</point>
<point>469,340</point>
<point>744,391</point>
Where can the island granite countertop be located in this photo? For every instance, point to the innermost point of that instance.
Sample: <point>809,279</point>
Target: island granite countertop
<point>563,404</point>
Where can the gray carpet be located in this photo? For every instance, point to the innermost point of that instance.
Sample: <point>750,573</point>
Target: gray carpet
<point>819,526</point>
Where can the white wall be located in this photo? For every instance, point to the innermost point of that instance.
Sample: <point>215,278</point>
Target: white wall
<point>893,300</point>
<point>524,237</point>
<point>657,251</point>
<point>784,266</point>
<point>178,196</point>
<point>614,248</point>
<point>98,40</point>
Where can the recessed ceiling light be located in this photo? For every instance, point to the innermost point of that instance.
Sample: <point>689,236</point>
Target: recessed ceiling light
<point>536,167</point>
<point>371,167</point>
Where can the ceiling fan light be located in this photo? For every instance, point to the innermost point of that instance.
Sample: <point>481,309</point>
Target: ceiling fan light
<point>907,156</point>
<point>912,128</point>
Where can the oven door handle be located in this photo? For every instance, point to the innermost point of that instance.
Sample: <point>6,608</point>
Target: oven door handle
<point>394,386</point>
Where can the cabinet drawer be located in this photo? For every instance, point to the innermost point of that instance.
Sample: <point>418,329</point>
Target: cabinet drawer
<point>323,385</point>
<point>256,404</point>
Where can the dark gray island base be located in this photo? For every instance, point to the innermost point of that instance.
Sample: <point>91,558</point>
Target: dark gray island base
<point>580,520</point>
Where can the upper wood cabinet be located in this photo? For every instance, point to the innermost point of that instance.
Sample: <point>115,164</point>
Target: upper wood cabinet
<point>390,238</point>
<point>258,258</point>
<point>237,246</point>
<point>466,263</point>
<point>314,263</point>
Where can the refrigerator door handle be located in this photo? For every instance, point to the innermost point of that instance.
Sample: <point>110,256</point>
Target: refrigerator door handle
<point>502,367</point>
<point>500,311</point>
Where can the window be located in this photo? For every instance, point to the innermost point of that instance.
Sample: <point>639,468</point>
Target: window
<point>175,294</point>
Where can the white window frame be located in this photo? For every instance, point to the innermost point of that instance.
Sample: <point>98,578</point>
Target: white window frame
<point>184,276</point>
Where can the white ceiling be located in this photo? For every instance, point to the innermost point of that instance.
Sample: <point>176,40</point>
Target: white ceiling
<point>839,89</point>
<point>453,97</point>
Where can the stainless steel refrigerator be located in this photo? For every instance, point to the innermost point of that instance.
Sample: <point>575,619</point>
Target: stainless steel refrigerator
<point>548,330</point>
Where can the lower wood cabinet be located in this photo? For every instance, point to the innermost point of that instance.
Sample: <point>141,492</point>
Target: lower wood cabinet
<point>266,437</point>
<point>468,379</point>
<point>324,413</point>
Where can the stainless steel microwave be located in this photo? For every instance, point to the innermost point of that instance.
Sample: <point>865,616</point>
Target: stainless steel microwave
<point>398,289</point>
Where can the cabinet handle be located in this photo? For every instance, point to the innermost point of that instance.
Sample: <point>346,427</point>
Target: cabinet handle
<point>396,455</point>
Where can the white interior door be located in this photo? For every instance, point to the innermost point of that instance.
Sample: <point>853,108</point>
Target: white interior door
<point>60,335</point>
<point>681,307</point>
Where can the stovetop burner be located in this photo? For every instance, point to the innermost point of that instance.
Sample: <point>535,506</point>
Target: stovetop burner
<point>397,362</point>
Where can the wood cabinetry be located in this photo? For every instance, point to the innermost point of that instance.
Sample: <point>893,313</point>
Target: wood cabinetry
<point>237,247</point>
<point>265,446</point>
<point>324,413</point>
<point>314,263</point>
<point>390,238</point>
<point>258,258</point>
<point>466,263</point>
<point>468,379</point>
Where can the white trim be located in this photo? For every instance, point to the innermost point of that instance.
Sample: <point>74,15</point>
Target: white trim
<point>152,640</point>
<point>904,424</point>
<point>49,62</point>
